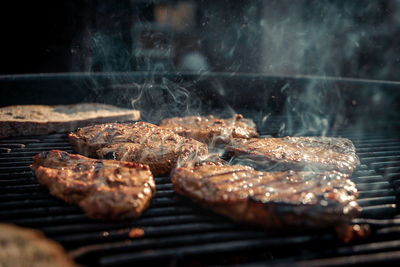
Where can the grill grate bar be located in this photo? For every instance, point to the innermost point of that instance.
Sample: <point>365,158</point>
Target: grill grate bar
<point>169,241</point>
<point>25,187</point>
<point>379,211</point>
<point>392,176</point>
<point>368,179</point>
<point>19,141</point>
<point>27,153</point>
<point>149,243</point>
<point>85,227</point>
<point>371,142</point>
<point>15,168</point>
<point>378,222</point>
<point>379,153</point>
<point>391,169</point>
<point>28,202</point>
<point>193,229</point>
<point>377,201</point>
<point>373,186</point>
<point>386,166</point>
<point>382,158</point>
<point>11,145</point>
<point>363,171</point>
<point>393,231</point>
<point>199,249</point>
<point>51,220</point>
<point>15,163</point>
<point>361,260</point>
<point>380,148</point>
<point>48,145</point>
<point>39,211</point>
<point>376,192</point>
<point>40,149</point>
<point>18,182</point>
<point>12,159</point>
<point>173,226</point>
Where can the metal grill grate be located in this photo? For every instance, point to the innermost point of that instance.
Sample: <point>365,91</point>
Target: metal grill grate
<point>175,230</point>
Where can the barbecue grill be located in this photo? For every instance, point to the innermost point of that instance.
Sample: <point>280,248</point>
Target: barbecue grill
<point>178,232</point>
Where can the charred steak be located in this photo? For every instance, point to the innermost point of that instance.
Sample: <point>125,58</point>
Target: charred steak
<point>210,129</point>
<point>104,189</point>
<point>140,142</point>
<point>271,199</point>
<point>298,153</point>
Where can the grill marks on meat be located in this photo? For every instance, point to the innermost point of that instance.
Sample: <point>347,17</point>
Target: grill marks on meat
<point>271,199</point>
<point>88,140</point>
<point>298,153</point>
<point>210,129</point>
<point>139,142</point>
<point>161,157</point>
<point>104,189</point>
<point>295,198</point>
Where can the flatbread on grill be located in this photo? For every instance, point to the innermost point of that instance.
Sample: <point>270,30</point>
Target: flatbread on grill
<point>297,153</point>
<point>104,189</point>
<point>41,119</point>
<point>281,200</point>
<point>139,142</point>
<point>211,130</point>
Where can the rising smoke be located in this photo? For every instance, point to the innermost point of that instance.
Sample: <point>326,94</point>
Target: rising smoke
<point>289,38</point>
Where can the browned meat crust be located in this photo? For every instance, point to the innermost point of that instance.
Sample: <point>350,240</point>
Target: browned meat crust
<point>88,140</point>
<point>139,142</point>
<point>27,247</point>
<point>104,189</point>
<point>271,199</point>
<point>212,130</point>
<point>161,157</point>
<point>298,153</point>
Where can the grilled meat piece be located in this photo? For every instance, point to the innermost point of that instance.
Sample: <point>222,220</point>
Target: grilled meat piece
<point>161,156</point>
<point>140,142</point>
<point>28,247</point>
<point>88,140</point>
<point>104,189</point>
<point>212,130</point>
<point>271,199</point>
<point>298,153</point>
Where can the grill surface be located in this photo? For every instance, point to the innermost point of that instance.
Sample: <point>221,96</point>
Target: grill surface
<point>179,232</point>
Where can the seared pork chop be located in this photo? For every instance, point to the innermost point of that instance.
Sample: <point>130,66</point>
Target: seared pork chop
<point>271,199</point>
<point>104,189</point>
<point>140,142</point>
<point>210,129</point>
<point>298,153</point>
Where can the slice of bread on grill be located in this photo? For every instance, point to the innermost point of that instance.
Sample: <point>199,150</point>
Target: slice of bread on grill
<point>27,247</point>
<point>40,119</point>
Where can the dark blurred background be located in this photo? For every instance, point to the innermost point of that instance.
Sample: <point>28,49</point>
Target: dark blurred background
<point>334,38</point>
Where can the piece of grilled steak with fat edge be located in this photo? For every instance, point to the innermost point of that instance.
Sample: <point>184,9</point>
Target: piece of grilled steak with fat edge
<point>104,189</point>
<point>210,129</point>
<point>297,153</point>
<point>282,200</point>
<point>139,142</point>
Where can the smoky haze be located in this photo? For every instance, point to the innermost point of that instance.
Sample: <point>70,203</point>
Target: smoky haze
<point>332,38</point>
<point>289,38</point>
<point>325,38</point>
